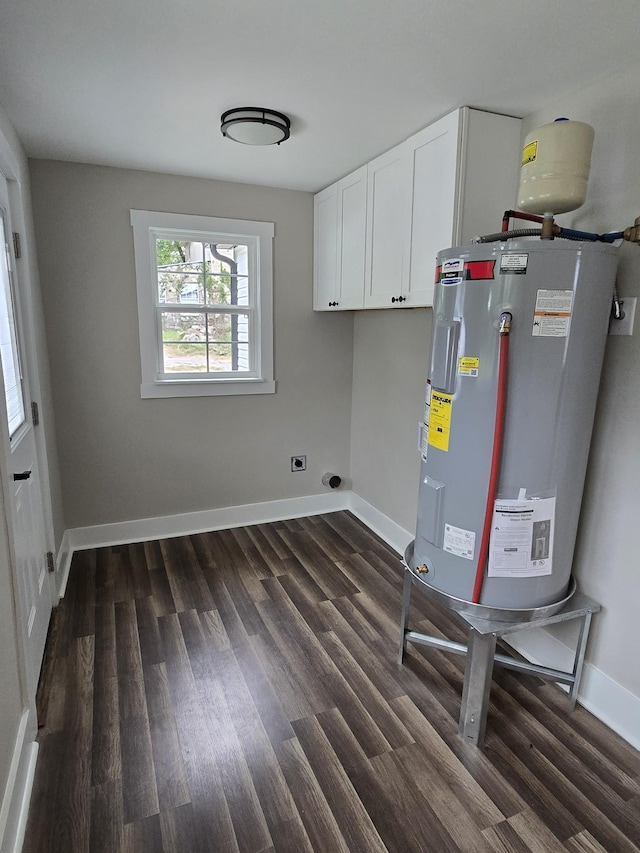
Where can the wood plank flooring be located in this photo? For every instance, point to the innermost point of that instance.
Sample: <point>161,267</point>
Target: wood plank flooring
<point>239,691</point>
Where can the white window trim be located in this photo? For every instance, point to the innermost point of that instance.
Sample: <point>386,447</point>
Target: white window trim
<point>147,225</point>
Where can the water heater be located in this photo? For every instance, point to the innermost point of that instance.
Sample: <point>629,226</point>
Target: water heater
<point>558,295</point>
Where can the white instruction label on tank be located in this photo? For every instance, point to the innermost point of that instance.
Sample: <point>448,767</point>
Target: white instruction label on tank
<point>521,542</point>
<point>552,314</point>
<point>460,542</point>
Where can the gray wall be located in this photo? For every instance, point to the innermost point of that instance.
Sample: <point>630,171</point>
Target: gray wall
<point>390,359</point>
<point>125,458</point>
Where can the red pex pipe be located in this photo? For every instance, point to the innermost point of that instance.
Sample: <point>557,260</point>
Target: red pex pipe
<point>503,358</point>
<point>518,214</point>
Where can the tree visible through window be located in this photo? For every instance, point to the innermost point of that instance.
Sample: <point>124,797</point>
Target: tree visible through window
<point>210,302</point>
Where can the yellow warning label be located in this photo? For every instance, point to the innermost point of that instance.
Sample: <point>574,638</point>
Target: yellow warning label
<point>440,420</point>
<point>468,366</point>
<point>529,152</point>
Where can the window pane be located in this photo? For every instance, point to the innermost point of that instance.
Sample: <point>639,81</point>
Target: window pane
<point>183,342</point>
<point>184,358</point>
<point>227,289</point>
<point>183,286</point>
<point>9,345</point>
<point>186,328</point>
<point>232,357</point>
<point>170,252</point>
<point>227,273</point>
<point>229,342</point>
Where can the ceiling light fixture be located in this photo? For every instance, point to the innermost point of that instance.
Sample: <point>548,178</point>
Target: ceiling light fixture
<point>255,126</point>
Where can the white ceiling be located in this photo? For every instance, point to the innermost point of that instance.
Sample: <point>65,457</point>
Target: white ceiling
<point>142,83</point>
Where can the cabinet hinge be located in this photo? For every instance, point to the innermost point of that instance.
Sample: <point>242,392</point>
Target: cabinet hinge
<point>17,249</point>
<point>50,562</point>
<point>35,414</point>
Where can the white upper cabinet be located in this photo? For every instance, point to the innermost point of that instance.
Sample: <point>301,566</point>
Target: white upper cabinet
<point>388,228</point>
<point>325,247</point>
<point>339,243</point>
<point>352,220</point>
<point>433,155</point>
<point>439,188</point>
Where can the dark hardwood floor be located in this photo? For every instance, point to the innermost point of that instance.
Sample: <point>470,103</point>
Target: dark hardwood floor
<point>239,691</point>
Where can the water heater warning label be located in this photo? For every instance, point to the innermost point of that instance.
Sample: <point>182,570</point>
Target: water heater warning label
<point>552,314</point>
<point>522,538</point>
<point>530,152</point>
<point>440,420</point>
<point>460,542</point>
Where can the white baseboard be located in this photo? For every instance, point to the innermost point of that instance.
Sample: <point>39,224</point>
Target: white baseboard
<point>63,564</point>
<point>17,794</point>
<point>188,523</point>
<point>394,535</point>
<point>607,700</point>
<point>617,707</point>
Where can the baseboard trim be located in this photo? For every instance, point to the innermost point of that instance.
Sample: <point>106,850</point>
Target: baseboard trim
<point>17,794</point>
<point>186,524</point>
<point>393,534</point>
<point>63,564</point>
<point>616,706</point>
<point>607,700</point>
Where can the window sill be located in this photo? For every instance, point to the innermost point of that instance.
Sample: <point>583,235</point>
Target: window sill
<point>206,388</point>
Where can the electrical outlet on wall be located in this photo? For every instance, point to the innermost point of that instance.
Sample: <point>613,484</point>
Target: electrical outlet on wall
<point>298,463</point>
<point>625,325</point>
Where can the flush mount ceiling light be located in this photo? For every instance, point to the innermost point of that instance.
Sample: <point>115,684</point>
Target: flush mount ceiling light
<point>255,126</point>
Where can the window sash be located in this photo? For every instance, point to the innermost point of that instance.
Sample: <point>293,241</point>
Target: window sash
<point>251,342</point>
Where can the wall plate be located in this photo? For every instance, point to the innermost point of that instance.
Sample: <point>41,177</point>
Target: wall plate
<point>624,326</point>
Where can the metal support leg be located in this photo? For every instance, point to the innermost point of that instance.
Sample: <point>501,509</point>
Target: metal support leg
<point>477,684</point>
<point>579,659</point>
<point>406,601</point>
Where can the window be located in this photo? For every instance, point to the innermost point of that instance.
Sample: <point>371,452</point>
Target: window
<point>10,359</point>
<point>204,304</point>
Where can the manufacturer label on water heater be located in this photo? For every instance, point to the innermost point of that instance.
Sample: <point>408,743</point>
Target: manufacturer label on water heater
<point>451,271</point>
<point>514,264</point>
<point>552,315</point>
<point>461,543</point>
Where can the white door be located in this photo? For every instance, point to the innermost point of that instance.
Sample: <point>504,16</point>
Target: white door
<point>22,487</point>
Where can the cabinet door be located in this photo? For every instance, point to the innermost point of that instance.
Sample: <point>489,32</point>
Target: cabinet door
<point>352,222</point>
<point>435,165</point>
<point>388,228</point>
<point>325,249</point>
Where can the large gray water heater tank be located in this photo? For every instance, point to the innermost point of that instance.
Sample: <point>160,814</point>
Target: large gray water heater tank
<point>559,295</point>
